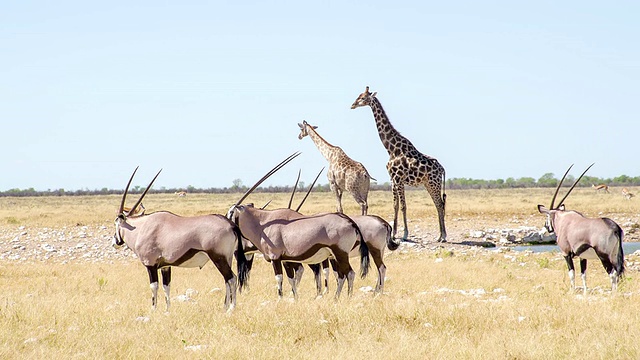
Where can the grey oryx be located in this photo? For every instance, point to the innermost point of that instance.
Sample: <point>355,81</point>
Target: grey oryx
<point>304,239</point>
<point>377,235</point>
<point>586,238</point>
<point>162,239</point>
<point>285,236</point>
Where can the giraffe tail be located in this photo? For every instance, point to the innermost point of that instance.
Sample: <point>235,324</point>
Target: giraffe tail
<point>369,175</point>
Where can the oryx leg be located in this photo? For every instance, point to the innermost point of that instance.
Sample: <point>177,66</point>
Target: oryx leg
<point>610,269</point>
<point>292,270</point>
<point>318,277</point>
<point>325,270</point>
<point>277,269</point>
<point>583,275</point>
<point>153,281</point>
<point>230,280</point>
<point>614,280</point>
<point>299,271</point>
<point>572,271</point>
<point>382,269</point>
<point>344,270</point>
<point>334,266</point>
<point>166,284</point>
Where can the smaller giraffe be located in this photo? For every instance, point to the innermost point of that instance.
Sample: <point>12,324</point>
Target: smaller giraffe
<point>344,173</point>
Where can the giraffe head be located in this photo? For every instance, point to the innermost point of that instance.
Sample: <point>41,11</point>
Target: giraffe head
<point>303,129</point>
<point>364,99</point>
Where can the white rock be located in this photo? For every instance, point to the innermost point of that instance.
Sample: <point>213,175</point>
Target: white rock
<point>48,247</point>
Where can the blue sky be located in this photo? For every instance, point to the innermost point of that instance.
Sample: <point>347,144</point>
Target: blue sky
<point>213,91</point>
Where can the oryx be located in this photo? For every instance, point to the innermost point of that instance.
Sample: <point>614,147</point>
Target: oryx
<point>586,238</point>
<point>162,239</point>
<point>377,234</point>
<point>285,236</point>
<point>303,239</point>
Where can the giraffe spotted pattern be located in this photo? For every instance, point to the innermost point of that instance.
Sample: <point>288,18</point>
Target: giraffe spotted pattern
<point>406,165</point>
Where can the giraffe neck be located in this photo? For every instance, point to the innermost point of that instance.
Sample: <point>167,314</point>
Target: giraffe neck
<point>327,150</point>
<point>391,139</point>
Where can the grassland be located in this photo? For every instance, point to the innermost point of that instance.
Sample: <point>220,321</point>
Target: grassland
<point>440,301</point>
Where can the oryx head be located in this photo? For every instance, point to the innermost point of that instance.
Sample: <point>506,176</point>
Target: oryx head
<point>230,213</point>
<point>303,129</point>
<point>551,211</point>
<point>364,99</point>
<point>124,213</point>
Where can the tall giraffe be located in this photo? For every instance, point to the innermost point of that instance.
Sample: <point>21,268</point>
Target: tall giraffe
<point>344,173</point>
<point>406,166</point>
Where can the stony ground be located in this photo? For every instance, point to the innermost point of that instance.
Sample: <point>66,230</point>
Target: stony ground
<point>94,243</point>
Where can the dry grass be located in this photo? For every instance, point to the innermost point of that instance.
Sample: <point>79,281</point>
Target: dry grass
<point>440,303</point>
<point>485,205</point>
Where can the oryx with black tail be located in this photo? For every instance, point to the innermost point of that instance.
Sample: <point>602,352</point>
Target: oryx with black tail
<point>377,234</point>
<point>162,240</point>
<point>294,238</point>
<point>586,238</point>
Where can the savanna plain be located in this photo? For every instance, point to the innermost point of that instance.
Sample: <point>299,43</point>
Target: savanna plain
<point>66,293</point>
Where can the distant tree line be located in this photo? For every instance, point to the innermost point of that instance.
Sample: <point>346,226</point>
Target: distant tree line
<point>545,181</point>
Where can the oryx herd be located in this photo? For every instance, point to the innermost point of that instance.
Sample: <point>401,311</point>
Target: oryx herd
<point>288,238</point>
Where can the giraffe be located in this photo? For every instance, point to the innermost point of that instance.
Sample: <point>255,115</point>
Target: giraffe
<point>406,166</point>
<point>344,173</point>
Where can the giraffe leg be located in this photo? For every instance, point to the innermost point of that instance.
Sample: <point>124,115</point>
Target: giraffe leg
<point>438,201</point>
<point>338,194</point>
<point>364,206</point>
<point>403,208</point>
<point>395,209</point>
<point>359,189</point>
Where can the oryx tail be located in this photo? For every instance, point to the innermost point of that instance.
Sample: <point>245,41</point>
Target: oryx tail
<point>617,231</point>
<point>364,249</point>
<point>364,255</point>
<point>241,259</point>
<point>620,260</point>
<point>391,244</point>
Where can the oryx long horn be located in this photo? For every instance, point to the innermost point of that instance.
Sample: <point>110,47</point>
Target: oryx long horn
<point>133,208</point>
<point>574,185</point>
<point>553,200</point>
<point>294,190</point>
<point>266,204</point>
<point>124,196</point>
<point>309,191</point>
<point>271,172</point>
